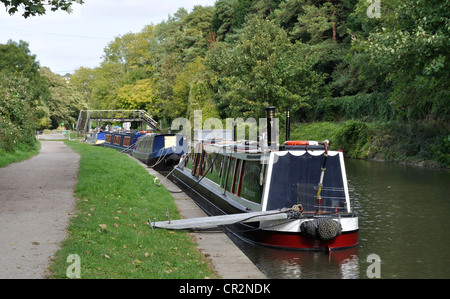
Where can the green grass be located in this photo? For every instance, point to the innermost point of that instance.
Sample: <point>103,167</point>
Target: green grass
<point>109,233</point>
<point>20,153</point>
<point>318,131</point>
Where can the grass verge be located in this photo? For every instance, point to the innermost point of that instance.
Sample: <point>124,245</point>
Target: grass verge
<point>21,152</point>
<point>109,231</point>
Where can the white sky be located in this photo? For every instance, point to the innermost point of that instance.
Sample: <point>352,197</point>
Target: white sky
<point>65,42</point>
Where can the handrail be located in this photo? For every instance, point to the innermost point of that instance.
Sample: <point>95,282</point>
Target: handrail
<point>114,115</point>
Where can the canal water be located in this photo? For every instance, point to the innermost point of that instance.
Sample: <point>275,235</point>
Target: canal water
<point>404,220</point>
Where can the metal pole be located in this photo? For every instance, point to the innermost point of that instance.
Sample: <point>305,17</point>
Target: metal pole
<point>270,112</point>
<point>288,124</point>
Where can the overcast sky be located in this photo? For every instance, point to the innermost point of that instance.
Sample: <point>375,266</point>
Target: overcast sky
<point>64,42</point>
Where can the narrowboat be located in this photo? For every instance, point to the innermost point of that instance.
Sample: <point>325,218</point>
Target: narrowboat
<point>100,139</point>
<point>294,196</point>
<point>160,151</point>
<point>122,141</point>
<point>95,138</point>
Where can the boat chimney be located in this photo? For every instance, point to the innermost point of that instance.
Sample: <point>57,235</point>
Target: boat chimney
<point>270,112</point>
<point>288,124</point>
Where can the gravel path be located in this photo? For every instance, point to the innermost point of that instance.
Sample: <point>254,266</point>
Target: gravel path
<point>36,200</point>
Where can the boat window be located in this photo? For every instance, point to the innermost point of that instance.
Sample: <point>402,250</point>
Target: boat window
<point>196,161</point>
<point>214,170</point>
<point>237,174</point>
<point>126,141</point>
<point>203,168</point>
<point>250,188</point>
<point>227,180</point>
<point>188,160</point>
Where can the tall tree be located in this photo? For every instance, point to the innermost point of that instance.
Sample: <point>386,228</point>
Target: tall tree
<point>23,94</point>
<point>66,100</point>
<point>264,68</point>
<point>411,51</point>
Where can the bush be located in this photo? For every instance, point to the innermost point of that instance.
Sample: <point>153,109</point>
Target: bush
<point>441,151</point>
<point>354,139</point>
<point>374,106</point>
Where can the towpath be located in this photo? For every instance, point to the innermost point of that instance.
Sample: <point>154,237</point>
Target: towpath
<point>228,260</point>
<point>36,202</point>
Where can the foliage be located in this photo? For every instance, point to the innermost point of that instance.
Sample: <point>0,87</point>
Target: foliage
<point>419,143</point>
<point>17,123</point>
<point>409,49</point>
<point>326,60</point>
<point>32,98</point>
<point>441,151</point>
<point>22,151</point>
<point>37,7</point>
<point>264,68</point>
<point>193,91</point>
<point>22,91</point>
<point>139,96</point>
<point>354,138</point>
<point>373,106</point>
<point>66,101</point>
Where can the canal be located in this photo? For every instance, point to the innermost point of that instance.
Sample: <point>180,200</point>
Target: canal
<point>404,220</point>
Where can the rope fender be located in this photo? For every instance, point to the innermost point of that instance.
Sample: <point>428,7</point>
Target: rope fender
<point>322,228</point>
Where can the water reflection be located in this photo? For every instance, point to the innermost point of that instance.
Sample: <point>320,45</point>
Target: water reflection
<point>404,219</point>
<point>276,263</point>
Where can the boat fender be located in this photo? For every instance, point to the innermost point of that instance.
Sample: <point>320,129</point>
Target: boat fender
<point>324,229</point>
<point>328,229</point>
<point>309,228</point>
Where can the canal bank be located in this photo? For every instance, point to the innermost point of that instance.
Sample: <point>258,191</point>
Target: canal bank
<point>421,144</point>
<point>228,260</point>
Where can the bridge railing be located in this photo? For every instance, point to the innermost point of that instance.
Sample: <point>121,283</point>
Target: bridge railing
<point>86,116</point>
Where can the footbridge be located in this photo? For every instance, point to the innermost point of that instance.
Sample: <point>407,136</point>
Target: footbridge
<point>86,116</point>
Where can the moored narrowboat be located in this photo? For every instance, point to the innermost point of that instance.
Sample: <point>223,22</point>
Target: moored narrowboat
<point>160,151</point>
<point>294,196</point>
<point>122,140</point>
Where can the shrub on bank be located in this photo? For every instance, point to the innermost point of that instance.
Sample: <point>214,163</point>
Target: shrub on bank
<point>396,141</point>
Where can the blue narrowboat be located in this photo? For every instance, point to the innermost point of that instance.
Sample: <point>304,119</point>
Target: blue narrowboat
<point>122,140</point>
<point>160,150</point>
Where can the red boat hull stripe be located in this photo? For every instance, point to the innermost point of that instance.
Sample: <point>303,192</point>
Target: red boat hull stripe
<point>299,241</point>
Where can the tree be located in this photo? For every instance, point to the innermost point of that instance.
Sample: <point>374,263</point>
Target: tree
<point>193,91</point>
<point>66,100</point>
<point>224,11</point>
<point>411,51</point>
<point>139,96</point>
<point>264,68</point>
<point>17,60</point>
<point>37,7</point>
<point>18,121</point>
<point>22,94</point>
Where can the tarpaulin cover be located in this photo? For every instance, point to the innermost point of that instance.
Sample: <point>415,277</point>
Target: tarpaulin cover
<point>295,180</point>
